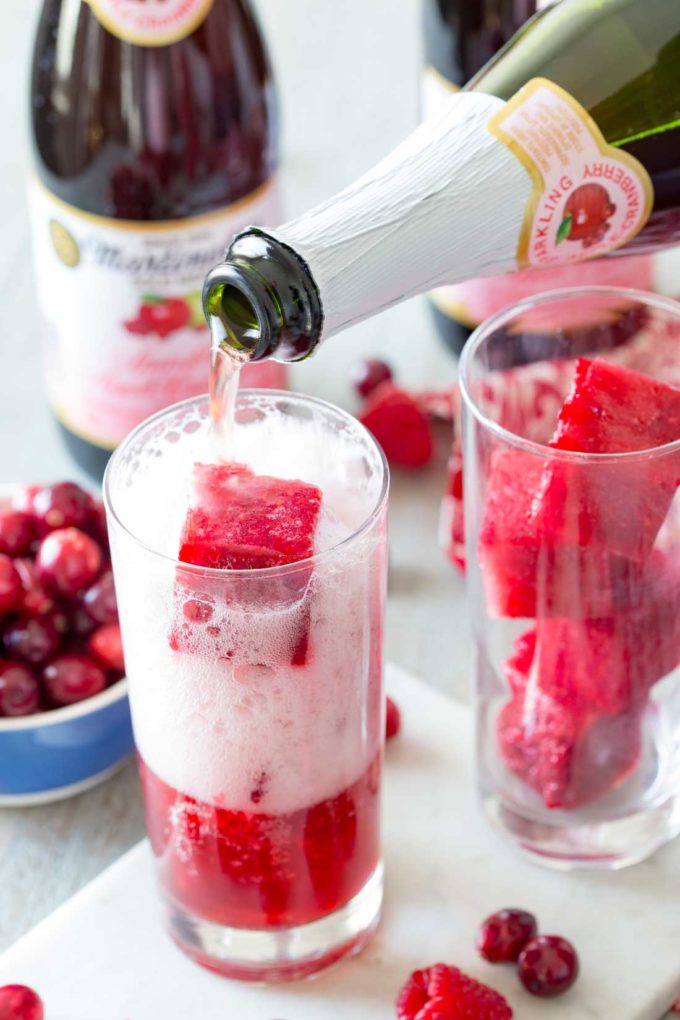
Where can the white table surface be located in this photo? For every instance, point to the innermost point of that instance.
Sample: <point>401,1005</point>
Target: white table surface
<point>348,83</point>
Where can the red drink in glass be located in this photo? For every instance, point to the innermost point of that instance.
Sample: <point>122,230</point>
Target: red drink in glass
<point>256,689</point>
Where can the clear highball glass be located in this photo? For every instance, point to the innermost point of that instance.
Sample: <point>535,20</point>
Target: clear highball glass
<point>256,695</point>
<point>574,574</point>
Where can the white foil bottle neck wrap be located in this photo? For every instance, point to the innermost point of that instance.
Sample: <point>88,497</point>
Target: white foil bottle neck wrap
<point>444,206</point>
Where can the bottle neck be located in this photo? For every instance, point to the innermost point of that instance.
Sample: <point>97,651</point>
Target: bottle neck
<point>262,301</point>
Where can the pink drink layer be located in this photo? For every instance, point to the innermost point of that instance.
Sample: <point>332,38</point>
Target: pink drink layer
<point>260,765</point>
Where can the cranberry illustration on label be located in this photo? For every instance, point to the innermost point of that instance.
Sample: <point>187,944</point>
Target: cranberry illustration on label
<point>160,317</point>
<point>587,212</point>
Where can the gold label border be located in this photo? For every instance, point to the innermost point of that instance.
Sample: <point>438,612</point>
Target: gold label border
<point>164,39</point>
<point>495,127</point>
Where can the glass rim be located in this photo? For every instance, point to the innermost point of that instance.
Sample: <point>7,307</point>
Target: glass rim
<point>255,572</point>
<point>480,334</point>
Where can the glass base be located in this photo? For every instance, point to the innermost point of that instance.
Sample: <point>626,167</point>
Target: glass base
<point>592,845</point>
<point>282,954</point>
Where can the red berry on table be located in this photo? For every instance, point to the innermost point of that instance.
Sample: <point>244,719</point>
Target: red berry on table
<point>32,640</point>
<point>503,935</point>
<point>68,560</point>
<point>445,993</point>
<point>64,505</point>
<point>401,428</point>
<point>19,1002</point>
<point>17,532</point>
<point>19,690</point>
<point>367,375</point>
<point>547,966</point>
<point>99,601</point>
<point>106,646</point>
<point>73,677</point>
<point>10,585</point>
<point>392,719</point>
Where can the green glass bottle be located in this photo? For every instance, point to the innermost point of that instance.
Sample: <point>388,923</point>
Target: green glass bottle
<point>502,179</point>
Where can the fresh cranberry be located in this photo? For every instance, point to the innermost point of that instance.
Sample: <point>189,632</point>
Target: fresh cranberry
<point>10,585</point>
<point>68,560</point>
<point>33,639</point>
<point>547,966</point>
<point>99,601</point>
<point>64,505</point>
<point>73,677</point>
<point>392,720</point>
<point>106,646</point>
<point>503,935</point>
<point>19,689</point>
<point>367,375</point>
<point>35,601</point>
<point>80,622</point>
<point>17,532</point>
<point>96,525</point>
<point>18,1002</point>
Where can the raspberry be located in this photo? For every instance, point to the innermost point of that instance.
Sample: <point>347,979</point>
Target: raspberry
<point>399,425</point>
<point>445,993</point>
<point>19,1002</point>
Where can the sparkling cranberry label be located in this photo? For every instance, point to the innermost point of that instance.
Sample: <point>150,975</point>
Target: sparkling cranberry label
<point>151,22</point>
<point>121,303</point>
<point>587,197</point>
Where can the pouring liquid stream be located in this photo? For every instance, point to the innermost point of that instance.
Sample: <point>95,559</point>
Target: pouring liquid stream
<point>225,372</point>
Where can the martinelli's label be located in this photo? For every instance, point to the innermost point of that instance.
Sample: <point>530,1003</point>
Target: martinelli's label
<point>587,197</point>
<point>121,303</point>
<point>151,22</point>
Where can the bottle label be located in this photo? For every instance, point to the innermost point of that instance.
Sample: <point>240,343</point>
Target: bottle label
<point>150,22</point>
<point>121,302</point>
<point>587,197</point>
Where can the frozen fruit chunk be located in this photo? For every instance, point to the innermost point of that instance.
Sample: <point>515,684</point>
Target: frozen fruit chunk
<point>607,665</point>
<point>399,425</point>
<point>620,507</point>
<point>523,574</point>
<point>241,521</point>
<point>568,756</point>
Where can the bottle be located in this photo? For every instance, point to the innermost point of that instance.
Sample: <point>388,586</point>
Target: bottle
<point>460,37</point>
<point>538,162</point>
<point>154,135</point>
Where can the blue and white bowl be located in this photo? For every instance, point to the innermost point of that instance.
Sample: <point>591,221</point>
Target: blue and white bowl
<point>52,755</point>
<point>56,754</point>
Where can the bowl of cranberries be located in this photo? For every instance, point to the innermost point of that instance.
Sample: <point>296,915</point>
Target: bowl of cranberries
<point>64,714</point>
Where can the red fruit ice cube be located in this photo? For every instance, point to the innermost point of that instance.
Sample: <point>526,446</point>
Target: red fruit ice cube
<point>399,425</point>
<point>523,574</point>
<point>568,756</point>
<point>617,508</point>
<point>241,521</point>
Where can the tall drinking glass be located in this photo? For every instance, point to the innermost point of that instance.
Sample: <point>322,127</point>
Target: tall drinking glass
<point>574,566</point>
<point>257,695</point>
